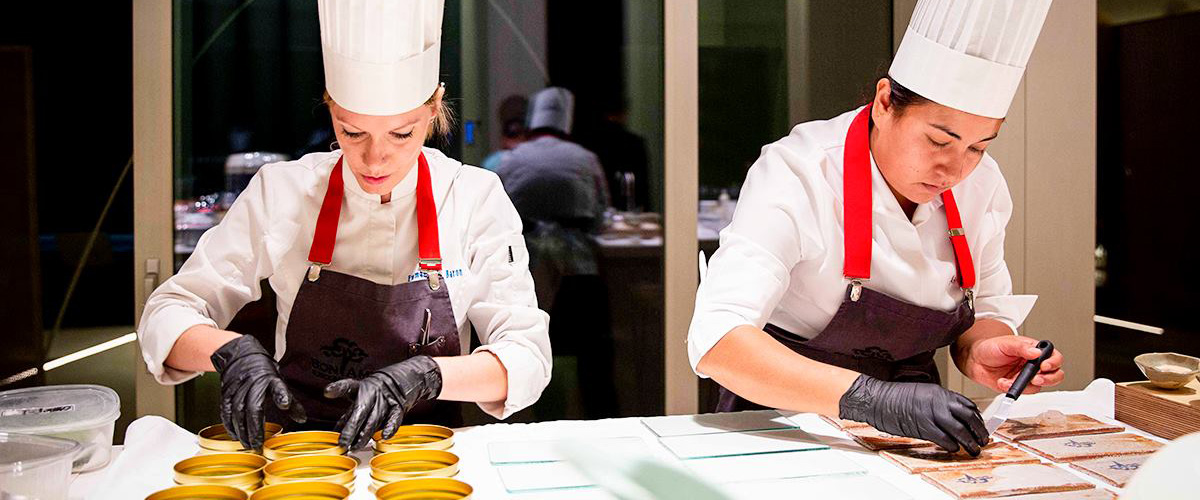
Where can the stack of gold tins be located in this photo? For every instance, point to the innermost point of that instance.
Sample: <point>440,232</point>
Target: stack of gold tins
<point>308,490</point>
<point>416,437</point>
<point>425,489</point>
<point>215,439</point>
<point>412,464</point>
<point>415,451</point>
<point>336,469</point>
<point>240,470</point>
<point>199,491</point>
<point>294,444</point>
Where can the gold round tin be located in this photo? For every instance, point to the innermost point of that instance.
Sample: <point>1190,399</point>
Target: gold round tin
<point>416,437</point>
<point>302,490</point>
<point>199,492</point>
<point>411,464</point>
<point>325,468</point>
<point>241,470</point>
<point>216,439</point>
<point>291,444</point>
<point>425,489</point>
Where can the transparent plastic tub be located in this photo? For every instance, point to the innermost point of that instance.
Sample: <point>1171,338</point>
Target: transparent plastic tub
<point>35,467</point>
<point>85,414</point>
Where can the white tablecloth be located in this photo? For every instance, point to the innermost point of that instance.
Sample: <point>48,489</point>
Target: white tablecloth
<point>476,469</point>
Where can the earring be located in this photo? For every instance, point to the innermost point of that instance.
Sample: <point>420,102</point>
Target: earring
<point>334,146</point>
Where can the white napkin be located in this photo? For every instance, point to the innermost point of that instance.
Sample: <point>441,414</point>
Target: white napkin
<point>152,447</point>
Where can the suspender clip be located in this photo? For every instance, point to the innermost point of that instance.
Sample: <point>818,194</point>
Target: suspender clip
<point>970,293</point>
<point>314,271</point>
<point>856,286</point>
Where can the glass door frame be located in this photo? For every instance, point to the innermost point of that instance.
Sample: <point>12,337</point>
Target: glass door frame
<point>153,173</point>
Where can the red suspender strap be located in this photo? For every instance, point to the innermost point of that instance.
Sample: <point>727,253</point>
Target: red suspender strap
<point>856,194</point>
<point>958,238</point>
<point>321,251</point>
<point>429,253</point>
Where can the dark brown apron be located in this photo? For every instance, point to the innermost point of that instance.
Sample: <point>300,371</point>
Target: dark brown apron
<point>871,332</point>
<point>343,326</point>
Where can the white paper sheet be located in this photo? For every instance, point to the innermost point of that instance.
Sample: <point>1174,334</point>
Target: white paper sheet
<point>741,443</point>
<point>519,452</point>
<point>544,476</point>
<point>713,423</point>
<point>768,466</point>
<point>841,488</point>
<point>1097,400</point>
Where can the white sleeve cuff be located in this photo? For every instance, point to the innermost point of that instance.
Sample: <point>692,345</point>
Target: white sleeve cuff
<point>1008,309</point>
<point>528,375</point>
<point>706,331</point>
<point>157,335</point>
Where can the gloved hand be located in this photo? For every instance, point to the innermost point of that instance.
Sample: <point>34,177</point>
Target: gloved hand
<point>383,397</point>
<point>247,373</point>
<point>918,410</point>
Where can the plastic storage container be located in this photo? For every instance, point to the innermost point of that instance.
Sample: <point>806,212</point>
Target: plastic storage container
<point>82,413</point>
<point>35,467</point>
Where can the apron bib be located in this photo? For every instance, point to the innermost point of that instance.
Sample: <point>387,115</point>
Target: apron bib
<point>343,326</point>
<point>873,333</point>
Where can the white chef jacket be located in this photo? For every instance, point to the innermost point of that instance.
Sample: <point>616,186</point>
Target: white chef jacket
<point>268,231</point>
<point>780,260</point>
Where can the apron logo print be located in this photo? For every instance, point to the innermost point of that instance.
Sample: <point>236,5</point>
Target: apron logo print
<point>343,359</point>
<point>874,352</point>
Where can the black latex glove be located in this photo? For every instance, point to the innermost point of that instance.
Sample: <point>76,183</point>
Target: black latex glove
<point>248,372</point>
<point>917,410</point>
<point>382,398</point>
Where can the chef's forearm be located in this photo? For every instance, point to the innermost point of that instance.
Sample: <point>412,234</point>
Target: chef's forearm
<point>192,352</point>
<point>758,368</point>
<point>476,378</point>
<point>982,330</point>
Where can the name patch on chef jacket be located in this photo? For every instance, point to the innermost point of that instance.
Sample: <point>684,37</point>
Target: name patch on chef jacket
<point>422,275</point>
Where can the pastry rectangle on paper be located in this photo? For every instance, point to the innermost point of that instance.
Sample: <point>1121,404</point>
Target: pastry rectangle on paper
<point>1113,470</point>
<point>844,424</point>
<point>1053,424</point>
<point>875,439</point>
<point>1075,448</point>
<point>1006,480</point>
<point>933,458</point>
<point>1092,494</point>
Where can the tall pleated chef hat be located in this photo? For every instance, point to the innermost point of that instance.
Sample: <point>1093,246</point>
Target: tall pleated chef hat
<point>969,54</point>
<point>551,107</point>
<point>381,56</point>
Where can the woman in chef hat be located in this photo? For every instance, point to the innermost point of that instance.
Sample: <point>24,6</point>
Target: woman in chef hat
<point>863,243</point>
<point>383,254</point>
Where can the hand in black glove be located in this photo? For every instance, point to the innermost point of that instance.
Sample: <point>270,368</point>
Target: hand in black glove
<point>247,373</point>
<point>918,410</point>
<point>383,397</point>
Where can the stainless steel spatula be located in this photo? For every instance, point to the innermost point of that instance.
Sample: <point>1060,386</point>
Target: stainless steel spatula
<point>998,411</point>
